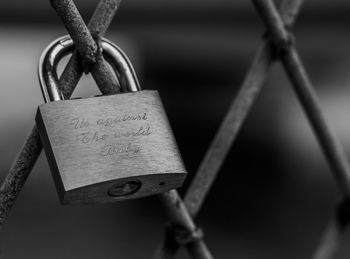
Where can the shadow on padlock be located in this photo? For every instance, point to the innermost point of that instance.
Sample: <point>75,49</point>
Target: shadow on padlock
<point>106,148</point>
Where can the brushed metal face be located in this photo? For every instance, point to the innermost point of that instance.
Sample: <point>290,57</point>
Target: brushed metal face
<point>96,143</point>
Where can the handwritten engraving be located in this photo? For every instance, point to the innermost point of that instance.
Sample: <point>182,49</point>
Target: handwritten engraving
<point>105,131</point>
<point>78,123</point>
<point>127,150</point>
<point>86,138</point>
<point>110,122</point>
<point>134,133</point>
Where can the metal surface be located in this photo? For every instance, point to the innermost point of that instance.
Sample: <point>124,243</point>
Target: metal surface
<point>97,147</point>
<point>32,146</point>
<point>93,144</point>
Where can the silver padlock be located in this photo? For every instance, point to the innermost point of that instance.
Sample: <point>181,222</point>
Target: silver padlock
<point>106,148</point>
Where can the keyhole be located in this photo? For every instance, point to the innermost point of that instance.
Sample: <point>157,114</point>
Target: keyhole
<point>123,189</point>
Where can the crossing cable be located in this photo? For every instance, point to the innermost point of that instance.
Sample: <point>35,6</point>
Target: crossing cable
<point>32,147</point>
<point>85,45</point>
<point>25,161</point>
<point>333,151</point>
<point>74,24</point>
<point>227,133</point>
<point>216,153</point>
<point>182,229</point>
<point>178,213</point>
<point>281,40</point>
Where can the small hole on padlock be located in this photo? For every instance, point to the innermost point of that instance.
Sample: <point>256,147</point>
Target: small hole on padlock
<point>161,183</point>
<point>123,189</point>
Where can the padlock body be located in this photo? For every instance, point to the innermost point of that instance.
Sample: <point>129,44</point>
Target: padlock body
<point>110,148</point>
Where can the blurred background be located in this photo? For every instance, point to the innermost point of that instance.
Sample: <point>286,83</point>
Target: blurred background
<point>274,194</point>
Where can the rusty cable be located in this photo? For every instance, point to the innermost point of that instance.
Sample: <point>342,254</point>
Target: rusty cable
<point>227,133</point>
<point>32,147</point>
<point>330,146</point>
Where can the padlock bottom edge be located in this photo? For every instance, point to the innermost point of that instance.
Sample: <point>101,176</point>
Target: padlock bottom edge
<point>131,187</point>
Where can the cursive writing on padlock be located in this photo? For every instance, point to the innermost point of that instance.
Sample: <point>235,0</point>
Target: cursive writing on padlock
<point>106,148</point>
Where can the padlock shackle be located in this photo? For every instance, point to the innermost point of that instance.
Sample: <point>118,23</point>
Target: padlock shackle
<point>63,46</point>
<point>120,62</point>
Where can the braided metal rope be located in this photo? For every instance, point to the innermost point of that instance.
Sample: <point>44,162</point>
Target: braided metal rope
<point>182,230</point>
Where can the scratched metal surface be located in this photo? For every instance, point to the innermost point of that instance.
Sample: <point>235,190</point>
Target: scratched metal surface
<point>94,143</point>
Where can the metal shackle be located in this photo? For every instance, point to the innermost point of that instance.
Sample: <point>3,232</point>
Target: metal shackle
<point>63,46</point>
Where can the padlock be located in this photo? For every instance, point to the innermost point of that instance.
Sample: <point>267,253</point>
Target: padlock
<point>106,148</point>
